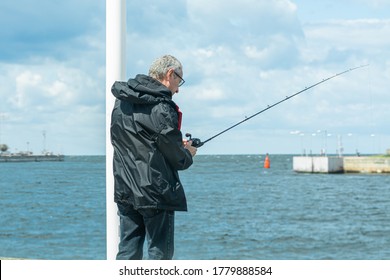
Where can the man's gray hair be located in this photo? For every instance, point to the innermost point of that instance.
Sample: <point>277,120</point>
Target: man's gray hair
<point>162,65</point>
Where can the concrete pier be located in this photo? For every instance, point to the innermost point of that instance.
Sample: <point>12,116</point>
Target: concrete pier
<point>318,164</point>
<point>374,164</point>
<point>349,164</point>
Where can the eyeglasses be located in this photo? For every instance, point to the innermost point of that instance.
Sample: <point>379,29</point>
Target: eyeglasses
<point>181,79</point>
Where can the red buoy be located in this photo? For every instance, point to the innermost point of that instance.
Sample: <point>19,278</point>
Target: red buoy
<point>267,163</point>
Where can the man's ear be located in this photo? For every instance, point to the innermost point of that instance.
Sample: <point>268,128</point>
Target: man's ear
<point>166,79</point>
<point>169,73</point>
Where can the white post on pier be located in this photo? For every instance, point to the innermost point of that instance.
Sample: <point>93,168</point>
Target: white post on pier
<point>115,70</point>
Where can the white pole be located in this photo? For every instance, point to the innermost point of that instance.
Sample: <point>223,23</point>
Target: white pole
<point>115,70</point>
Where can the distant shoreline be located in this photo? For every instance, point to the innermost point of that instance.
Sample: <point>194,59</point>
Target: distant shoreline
<point>31,158</point>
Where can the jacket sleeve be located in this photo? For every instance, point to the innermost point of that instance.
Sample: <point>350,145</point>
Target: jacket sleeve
<point>170,140</point>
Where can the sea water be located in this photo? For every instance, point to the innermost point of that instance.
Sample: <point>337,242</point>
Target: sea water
<point>236,210</point>
<point>239,210</point>
<point>53,210</point>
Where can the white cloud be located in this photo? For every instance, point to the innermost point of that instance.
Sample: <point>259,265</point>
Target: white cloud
<point>25,81</point>
<point>44,97</point>
<point>348,33</point>
<point>52,61</point>
<point>376,3</point>
<point>212,93</point>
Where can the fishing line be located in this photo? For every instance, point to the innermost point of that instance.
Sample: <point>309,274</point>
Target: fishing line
<point>196,142</point>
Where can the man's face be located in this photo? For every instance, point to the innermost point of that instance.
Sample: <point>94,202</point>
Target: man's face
<point>173,80</point>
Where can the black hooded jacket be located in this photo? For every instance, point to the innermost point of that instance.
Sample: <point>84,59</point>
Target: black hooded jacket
<point>148,149</point>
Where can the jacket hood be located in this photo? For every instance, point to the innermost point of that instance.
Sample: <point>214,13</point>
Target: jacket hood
<point>141,90</point>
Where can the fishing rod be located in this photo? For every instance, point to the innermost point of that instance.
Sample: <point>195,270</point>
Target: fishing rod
<point>196,142</point>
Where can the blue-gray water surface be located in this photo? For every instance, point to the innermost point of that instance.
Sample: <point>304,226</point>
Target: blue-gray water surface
<point>53,210</point>
<point>237,210</point>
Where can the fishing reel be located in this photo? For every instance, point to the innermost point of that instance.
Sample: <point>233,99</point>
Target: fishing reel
<point>195,141</point>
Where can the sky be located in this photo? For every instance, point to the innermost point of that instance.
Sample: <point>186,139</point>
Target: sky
<point>239,57</point>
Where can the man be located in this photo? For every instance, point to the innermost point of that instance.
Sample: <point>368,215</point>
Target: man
<point>148,152</point>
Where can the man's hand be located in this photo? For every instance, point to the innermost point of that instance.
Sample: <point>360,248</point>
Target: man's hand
<point>188,145</point>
